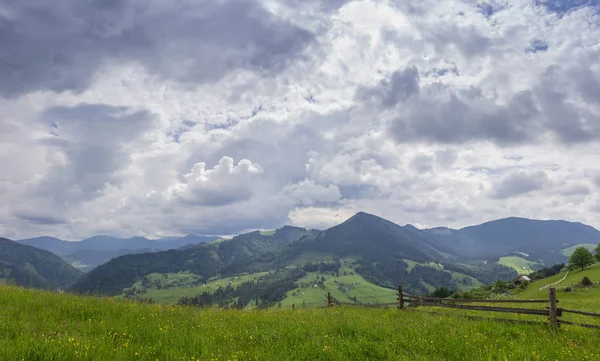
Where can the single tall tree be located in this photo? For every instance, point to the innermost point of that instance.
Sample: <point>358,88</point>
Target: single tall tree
<point>582,257</point>
<point>598,252</point>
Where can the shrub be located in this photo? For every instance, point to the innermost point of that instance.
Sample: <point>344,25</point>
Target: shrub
<point>586,281</point>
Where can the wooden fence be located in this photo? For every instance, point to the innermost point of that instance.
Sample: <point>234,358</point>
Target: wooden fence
<point>552,311</point>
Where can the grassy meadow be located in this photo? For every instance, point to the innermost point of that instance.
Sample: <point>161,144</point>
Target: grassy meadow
<point>579,298</point>
<point>39,325</point>
<point>519,264</point>
<point>345,286</point>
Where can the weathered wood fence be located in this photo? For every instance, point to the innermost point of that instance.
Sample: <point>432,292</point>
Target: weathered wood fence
<point>552,311</point>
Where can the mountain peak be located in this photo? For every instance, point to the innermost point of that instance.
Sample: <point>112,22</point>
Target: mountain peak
<point>363,217</point>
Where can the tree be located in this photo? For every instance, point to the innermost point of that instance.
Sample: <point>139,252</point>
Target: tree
<point>582,257</point>
<point>598,252</point>
<point>442,292</point>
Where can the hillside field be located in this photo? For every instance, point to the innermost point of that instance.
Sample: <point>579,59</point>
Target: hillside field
<point>345,286</point>
<point>519,264</point>
<point>584,298</point>
<point>37,325</point>
<point>569,251</point>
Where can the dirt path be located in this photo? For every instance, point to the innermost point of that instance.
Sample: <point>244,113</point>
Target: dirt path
<point>555,283</point>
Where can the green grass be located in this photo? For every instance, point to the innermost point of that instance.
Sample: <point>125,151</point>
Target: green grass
<point>312,257</point>
<point>344,288</point>
<point>584,298</point>
<point>575,276</point>
<point>465,282</point>
<point>519,264</point>
<point>177,285</point>
<point>36,325</point>
<point>569,251</point>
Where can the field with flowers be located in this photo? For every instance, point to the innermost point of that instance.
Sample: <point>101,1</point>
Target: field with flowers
<point>39,325</point>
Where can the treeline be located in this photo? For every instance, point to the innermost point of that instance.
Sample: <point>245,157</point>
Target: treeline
<point>389,274</point>
<point>323,266</point>
<point>264,292</point>
<point>486,273</point>
<point>546,272</point>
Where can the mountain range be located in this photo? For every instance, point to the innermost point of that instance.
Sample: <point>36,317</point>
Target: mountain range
<point>94,251</point>
<point>367,249</point>
<point>34,267</point>
<point>382,252</point>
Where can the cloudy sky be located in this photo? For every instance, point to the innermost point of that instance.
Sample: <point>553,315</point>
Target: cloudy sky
<point>164,117</point>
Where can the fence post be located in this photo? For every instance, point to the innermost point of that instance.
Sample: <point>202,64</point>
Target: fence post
<point>552,309</point>
<point>328,299</point>
<point>293,306</point>
<point>400,297</point>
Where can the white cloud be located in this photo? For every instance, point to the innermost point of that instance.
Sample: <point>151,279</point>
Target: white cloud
<point>225,184</point>
<point>308,192</point>
<point>428,113</point>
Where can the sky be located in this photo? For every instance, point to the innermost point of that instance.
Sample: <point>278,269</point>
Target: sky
<point>166,117</point>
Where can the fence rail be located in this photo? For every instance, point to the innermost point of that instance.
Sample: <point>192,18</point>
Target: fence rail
<point>467,300</point>
<point>492,309</point>
<point>552,311</point>
<point>593,314</point>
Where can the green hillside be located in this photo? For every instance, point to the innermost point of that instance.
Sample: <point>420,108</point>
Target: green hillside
<point>580,298</point>
<point>240,254</point>
<point>567,252</point>
<point>43,325</point>
<point>519,264</point>
<point>28,266</point>
<point>310,289</point>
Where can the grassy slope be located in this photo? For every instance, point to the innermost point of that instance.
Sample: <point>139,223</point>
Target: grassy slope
<point>593,273</point>
<point>583,299</point>
<point>171,295</point>
<point>519,264</point>
<point>569,251</point>
<point>343,287</point>
<point>42,325</point>
<point>456,276</point>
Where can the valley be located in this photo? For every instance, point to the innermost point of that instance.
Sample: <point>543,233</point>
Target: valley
<point>262,295</point>
<point>359,261</point>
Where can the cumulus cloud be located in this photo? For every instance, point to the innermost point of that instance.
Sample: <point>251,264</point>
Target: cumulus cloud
<point>224,184</point>
<point>308,192</point>
<point>438,113</point>
<point>519,183</point>
<point>151,118</point>
<point>88,147</point>
<point>60,46</point>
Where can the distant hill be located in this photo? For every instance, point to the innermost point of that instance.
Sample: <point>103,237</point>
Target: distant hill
<point>539,238</point>
<point>54,245</point>
<point>387,254</point>
<point>370,237</point>
<point>206,260</point>
<point>29,266</point>
<point>94,251</point>
<point>381,252</point>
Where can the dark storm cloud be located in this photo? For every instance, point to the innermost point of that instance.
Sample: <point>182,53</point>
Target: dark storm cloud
<point>400,86</point>
<point>35,217</point>
<point>568,122</point>
<point>438,113</point>
<point>519,183</point>
<point>92,140</point>
<point>422,163</point>
<point>59,45</point>
<point>578,189</point>
<point>458,119</point>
